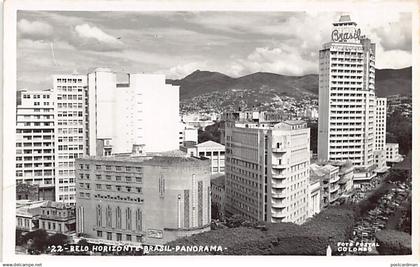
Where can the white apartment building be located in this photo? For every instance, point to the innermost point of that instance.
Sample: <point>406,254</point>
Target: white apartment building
<point>70,127</point>
<point>215,152</point>
<point>267,171</point>
<point>392,153</point>
<point>35,140</point>
<point>187,134</point>
<point>347,102</point>
<point>141,111</point>
<point>380,120</point>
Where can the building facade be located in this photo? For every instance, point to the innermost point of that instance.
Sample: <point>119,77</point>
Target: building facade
<point>69,132</point>
<point>215,152</point>
<point>267,171</point>
<point>347,102</point>
<point>392,153</point>
<point>142,199</point>
<point>57,217</point>
<point>187,134</point>
<point>35,140</point>
<point>315,201</point>
<point>135,110</point>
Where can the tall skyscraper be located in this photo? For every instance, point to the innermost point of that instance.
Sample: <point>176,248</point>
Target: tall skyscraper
<point>35,141</point>
<point>70,131</point>
<point>141,111</point>
<point>347,102</point>
<point>94,114</point>
<point>267,170</point>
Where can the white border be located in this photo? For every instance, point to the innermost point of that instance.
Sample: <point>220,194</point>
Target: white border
<point>9,97</point>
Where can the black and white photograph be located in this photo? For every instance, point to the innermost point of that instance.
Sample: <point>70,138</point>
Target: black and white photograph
<point>208,132</point>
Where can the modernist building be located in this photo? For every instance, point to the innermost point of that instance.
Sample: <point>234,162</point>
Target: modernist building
<point>143,198</point>
<point>94,114</point>
<point>57,217</point>
<point>315,201</point>
<point>35,140</point>
<point>69,132</point>
<point>137,109</point>
<point>267,170</point>
<point>208,149</point>
<point>187,134</point>
<point>351,118</point>
<point>336,180</point>
<point>392,153</point>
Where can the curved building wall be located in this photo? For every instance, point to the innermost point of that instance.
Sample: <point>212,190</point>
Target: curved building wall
<point>177,198</point>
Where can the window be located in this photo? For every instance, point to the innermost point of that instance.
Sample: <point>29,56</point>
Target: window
<point>108,217</point>
<point>128,238</point>
<point>138,179</point>
<point>109,236</point>
<point>99,233</point>
<point>99,216</point>
<point>118,218</point>
<point>139,219</point>
<point>139,238</point>
<point>128,219</point>
<point>119,237</point>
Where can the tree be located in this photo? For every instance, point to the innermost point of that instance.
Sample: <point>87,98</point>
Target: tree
<point>215,213</point>
<point>392,242</point>
<point>211,132</point>
<point>19,237</point>
<point>58,240</point>
<point>37,241</point>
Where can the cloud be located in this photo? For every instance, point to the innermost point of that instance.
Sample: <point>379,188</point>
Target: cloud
<point>386,59</point>
<point>285,60</point>
<point>34,30</point>
<point>183,70</point>
<point>93,38</point>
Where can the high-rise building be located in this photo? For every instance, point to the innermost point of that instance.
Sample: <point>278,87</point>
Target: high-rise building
<point>380,124</point>
<point>35,141</point>
<point>141,110</point>
<point>149,199</point>
<point>94,114</point>
<point>347,102</point>
<point>267,170</point>
<point>69,93</point>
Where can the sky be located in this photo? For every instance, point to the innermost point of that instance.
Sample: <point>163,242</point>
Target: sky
<point>178,43</point>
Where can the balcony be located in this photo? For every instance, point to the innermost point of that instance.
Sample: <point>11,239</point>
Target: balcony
<point>278,214</point>
<point>280,204</point>
<point>280,185</point>
<point>278,175</point>
<point>279,165</point>
<point>279,149</point>
<point>334,189</point>
<point>281,194</point>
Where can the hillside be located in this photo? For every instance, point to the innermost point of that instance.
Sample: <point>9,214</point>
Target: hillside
<point>388,82</point>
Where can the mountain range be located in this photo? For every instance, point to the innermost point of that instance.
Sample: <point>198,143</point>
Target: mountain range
<point>388,82</point>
